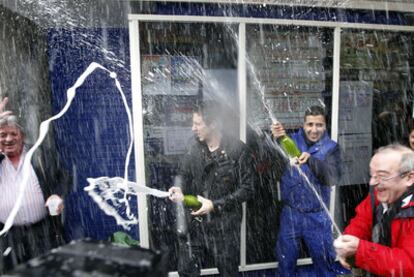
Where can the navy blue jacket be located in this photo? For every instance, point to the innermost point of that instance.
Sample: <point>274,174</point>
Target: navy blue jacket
<point>322,170</point>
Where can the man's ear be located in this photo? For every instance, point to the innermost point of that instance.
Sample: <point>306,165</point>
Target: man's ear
<point>410,176</point>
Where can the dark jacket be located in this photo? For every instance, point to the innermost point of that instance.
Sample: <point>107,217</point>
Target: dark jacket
<point>53,178</point>
<point>322,170</point>
<point>225,176</point>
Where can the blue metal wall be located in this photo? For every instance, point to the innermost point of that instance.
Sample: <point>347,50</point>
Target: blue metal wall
<point>93,136</point>
<point>274,11</point>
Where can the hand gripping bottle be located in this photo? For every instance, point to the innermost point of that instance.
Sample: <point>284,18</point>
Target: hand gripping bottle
<point>289,146</point>
<point>192,202</point>
<point>189,201</point>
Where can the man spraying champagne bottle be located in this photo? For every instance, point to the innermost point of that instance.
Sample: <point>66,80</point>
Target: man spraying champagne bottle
<point>217,172</point>
<point>303,217</point>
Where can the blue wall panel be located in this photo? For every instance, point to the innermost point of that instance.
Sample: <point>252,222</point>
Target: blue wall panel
<point>93,136</point>
<point>275,11</point>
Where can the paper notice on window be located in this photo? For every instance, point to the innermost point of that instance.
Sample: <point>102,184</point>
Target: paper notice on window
<point>355,135</point>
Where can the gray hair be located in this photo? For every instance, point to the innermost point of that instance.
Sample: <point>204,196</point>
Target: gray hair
<point>407,156</point>
<point>407,162</point>
<point>10,120</point>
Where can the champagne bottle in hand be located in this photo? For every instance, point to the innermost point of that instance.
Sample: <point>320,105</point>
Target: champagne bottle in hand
<point>192,202</point>
<point>289,146</point>
<point>189,200</point>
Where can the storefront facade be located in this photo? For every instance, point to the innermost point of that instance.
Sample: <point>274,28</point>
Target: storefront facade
<point>270,62</point>
<point>263,60</point>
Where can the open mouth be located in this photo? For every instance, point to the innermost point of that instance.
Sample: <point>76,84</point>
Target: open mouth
<point>9,147</point>
<point>381,190</point>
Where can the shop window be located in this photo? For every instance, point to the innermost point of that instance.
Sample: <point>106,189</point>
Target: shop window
<point>289,70</point>
<point>375,102</point>
<point>375,93</point>
<point>181,64</point>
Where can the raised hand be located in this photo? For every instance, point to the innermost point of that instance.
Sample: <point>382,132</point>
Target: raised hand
<point>3,104</point>
<point>277,130</point>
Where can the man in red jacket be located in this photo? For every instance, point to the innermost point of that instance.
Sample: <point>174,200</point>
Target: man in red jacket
<point>381,240</point>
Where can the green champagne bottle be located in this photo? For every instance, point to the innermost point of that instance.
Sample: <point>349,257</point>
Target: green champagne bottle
<point>192,202</point>
<point>189,201</point>
<point>290,147</point>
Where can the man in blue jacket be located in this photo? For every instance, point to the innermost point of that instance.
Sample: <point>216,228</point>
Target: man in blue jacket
<point>303,217</point>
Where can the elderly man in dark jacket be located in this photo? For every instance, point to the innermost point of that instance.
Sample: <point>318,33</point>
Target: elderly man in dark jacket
<point>219,169</point>
<point>34,230</point>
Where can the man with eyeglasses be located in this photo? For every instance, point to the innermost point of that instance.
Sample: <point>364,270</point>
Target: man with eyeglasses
<point>34,230</point>
<point>380,238</point>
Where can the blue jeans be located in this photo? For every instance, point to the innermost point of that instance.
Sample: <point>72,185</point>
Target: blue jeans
<point>315,229</point>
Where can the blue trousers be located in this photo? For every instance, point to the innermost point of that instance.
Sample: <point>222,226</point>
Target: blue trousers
<point>315,229</point>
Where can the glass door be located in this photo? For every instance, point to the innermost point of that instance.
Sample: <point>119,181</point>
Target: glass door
<point>181,64</point>
<point>289,70</point>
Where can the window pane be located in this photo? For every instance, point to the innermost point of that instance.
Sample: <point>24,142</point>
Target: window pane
<point>375,101</point>
<point>182,64</point>
<point>289,70</point>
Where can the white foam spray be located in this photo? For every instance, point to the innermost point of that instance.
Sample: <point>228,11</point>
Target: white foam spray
<point>44,127</point>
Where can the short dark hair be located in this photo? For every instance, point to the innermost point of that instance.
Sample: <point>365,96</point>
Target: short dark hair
<point>210,111</point>
<point>410,125</point>
<point>315,111</point>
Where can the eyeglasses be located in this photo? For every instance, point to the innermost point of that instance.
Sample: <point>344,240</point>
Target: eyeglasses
<point>385,179</point>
